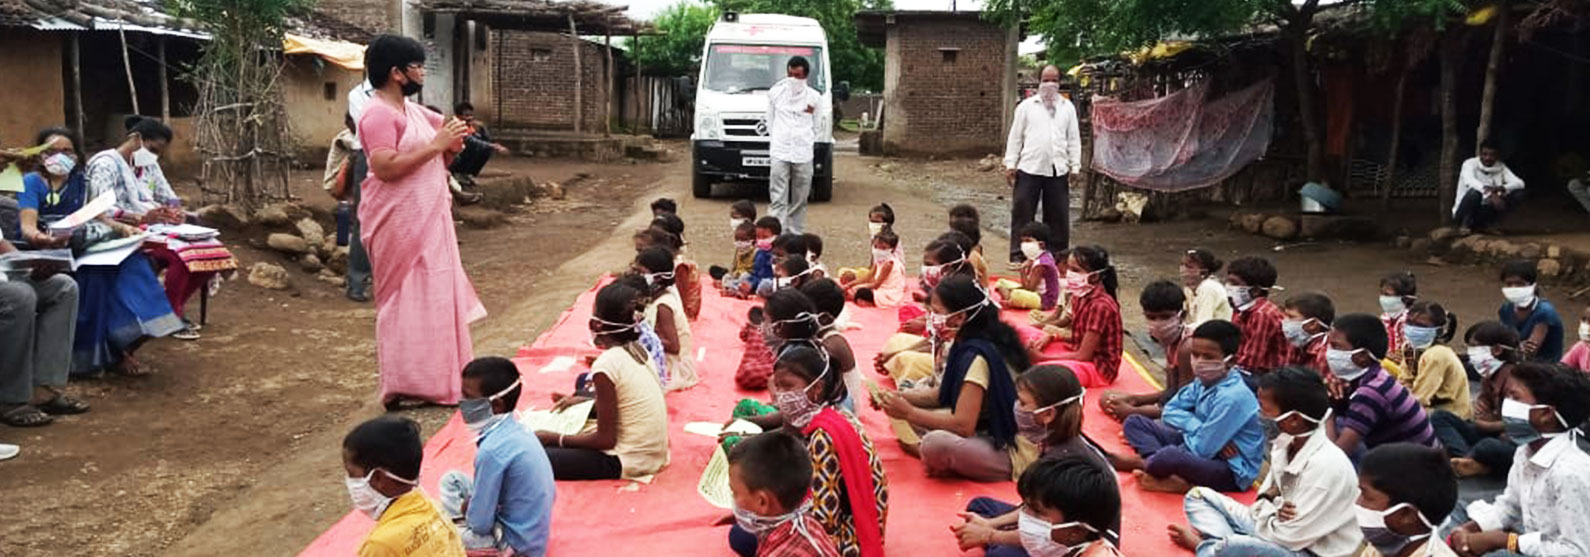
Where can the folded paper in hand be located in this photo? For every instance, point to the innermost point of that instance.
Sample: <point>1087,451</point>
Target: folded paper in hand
<point>714,484</point>
<point>90,211</point>
<point>714,429</point>
<point>568,422</point>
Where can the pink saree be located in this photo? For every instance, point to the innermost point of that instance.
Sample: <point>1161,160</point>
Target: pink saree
<point>424,301</point>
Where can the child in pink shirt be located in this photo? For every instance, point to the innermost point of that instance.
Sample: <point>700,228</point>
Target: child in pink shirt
<point>1578,357</point>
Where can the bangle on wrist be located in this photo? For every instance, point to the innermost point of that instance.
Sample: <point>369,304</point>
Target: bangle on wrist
<point>560,439</point>
<point>1512,543</point>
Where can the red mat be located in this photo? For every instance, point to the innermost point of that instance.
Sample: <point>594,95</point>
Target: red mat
<point>667,517</point>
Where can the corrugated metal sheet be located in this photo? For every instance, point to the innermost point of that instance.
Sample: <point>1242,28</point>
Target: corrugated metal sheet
<point>101,24</point>
<point>55,24</point>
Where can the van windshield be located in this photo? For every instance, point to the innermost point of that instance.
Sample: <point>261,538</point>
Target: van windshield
<point>734,68</point>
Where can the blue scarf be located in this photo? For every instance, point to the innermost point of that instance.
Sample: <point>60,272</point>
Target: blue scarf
<point>998,416</point>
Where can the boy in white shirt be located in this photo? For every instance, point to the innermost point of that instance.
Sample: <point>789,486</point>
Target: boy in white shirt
<point>1305,505</point>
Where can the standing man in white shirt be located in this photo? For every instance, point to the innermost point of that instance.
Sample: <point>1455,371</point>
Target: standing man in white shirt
<point>358,261</point>
<point>792,131</point>
<point>1044,150</point>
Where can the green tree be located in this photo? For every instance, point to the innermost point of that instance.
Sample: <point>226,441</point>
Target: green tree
<point>681,31</point>
<point>861,66</point>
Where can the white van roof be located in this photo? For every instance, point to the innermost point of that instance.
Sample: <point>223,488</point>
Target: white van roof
<point>768,28</point>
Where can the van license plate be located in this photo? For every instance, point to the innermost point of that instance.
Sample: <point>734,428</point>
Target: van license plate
<point>756,161</point>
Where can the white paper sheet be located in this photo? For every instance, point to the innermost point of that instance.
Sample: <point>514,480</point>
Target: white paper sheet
<point>714,429</point>
<point>560,363</point>
<point>90,211</point>
<point>568,422</point>
<point>112,254</point>
<point>714,484</point>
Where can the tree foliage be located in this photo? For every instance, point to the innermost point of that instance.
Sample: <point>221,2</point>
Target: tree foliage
<point>682,29</point>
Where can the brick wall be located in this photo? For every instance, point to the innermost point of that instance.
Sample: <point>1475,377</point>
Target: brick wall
<point>536,82</point>
<point>941,100</point>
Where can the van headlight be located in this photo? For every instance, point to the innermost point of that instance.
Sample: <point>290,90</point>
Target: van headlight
<point>707,128</point>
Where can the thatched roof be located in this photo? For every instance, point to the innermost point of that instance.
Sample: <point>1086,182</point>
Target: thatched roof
<point>590,17</point>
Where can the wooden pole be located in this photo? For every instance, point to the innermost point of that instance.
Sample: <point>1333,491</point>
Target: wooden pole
<point>1492,68</point>
<point>579,76</point>
<point>77,83</point>
<point>634,55</point>
<point>1396,135</point>
<point>126,62</point>
<point>607,71</point>
<point>165,89</point>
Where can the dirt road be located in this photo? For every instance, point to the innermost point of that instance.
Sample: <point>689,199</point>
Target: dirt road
<point>233,447</point>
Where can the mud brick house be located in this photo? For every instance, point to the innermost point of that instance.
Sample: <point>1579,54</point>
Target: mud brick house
<point>949,85</point>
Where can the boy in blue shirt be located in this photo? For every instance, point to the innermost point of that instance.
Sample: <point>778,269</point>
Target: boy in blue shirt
<point>509,503</point>
<point>1209,433</point>
<point>1536,320</point>
<point>767,228</point>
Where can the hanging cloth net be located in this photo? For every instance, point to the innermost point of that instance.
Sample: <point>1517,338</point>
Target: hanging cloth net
<point>1182,141</point>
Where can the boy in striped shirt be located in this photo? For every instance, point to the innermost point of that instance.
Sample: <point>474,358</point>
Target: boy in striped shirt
<point>1377,410</point>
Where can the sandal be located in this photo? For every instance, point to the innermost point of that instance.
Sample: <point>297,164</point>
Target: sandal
<point>63,405</point>
<point>129,367</point>
<point>24,415</point>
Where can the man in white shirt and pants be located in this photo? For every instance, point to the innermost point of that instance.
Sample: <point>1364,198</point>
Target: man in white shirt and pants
<point>792,131</point>
<point>1044,149</point>
<point>1486,189</point>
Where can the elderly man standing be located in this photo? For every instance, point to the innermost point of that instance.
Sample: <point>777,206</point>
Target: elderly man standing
<point>1044,149</point>
<point>792,131</point>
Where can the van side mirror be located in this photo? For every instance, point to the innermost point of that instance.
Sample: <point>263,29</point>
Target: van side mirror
<point>842,91</point>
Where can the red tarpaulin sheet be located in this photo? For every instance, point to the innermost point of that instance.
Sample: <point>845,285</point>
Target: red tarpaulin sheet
<point>668,518</point>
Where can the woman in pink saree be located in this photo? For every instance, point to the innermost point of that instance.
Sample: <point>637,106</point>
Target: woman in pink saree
<point>424,301</point>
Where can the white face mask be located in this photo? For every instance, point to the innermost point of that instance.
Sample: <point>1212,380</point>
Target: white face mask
<point>735,223</point>
<point>1032,250</point>
<point>1284,439</point>
<point>873,228</point>
<point>59,164</point>
<point>1341,363</point>
<point>1483,360</point>
<point>881,255</point>
<point>143,156</point>
<point>1392,305</point>
<point>1210,370</point>
<point>1296,333</point>
<point>1049,92</point>
<point>1241,296</point>
<point>1520,296</point>
<point>1037,536</point>
<point>1584,331</point>
<point>366,499</point>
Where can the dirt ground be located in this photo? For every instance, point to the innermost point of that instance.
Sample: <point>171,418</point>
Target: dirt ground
<point>232,448</point>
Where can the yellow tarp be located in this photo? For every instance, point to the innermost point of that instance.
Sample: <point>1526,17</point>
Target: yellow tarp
<point>1481,16</point>
<point>1166,49</point>
<point>343,54</point>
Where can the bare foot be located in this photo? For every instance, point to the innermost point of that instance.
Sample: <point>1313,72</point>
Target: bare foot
<point>912,449</point>
<point>1124,462</point>
<point>1172,484</point>
<point>1468,467</point>
<point>1184,536</point>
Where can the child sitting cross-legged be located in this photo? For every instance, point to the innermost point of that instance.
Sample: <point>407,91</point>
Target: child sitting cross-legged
<point>508,504</point>
<point>849,490</point>
<point>1094,351</point>
<point>744,258</point>
<point>770,475</point>
<point>1377,409</point>
<point>1542,511</point>
<point>1308,320</point>
<point>1305,504</point>
<point>1431,370</point>
<point>1264,345</point>
<point>1040,275</point>
<point>1068,505</point>
<point>1162,303</point>
<point>883,285</point>
<point>1209,433</point>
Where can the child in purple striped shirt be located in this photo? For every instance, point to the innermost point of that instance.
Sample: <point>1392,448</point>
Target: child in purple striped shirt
<point>1378,410</point>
